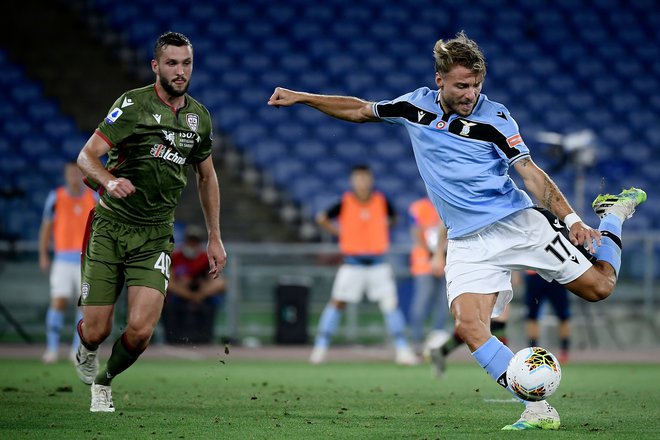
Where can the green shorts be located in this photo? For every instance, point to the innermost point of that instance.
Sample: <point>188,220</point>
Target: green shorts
<point>116,254</point>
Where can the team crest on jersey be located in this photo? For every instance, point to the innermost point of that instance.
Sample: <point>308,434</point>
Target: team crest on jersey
<point>84,291</point>
<point>466,127</point>
<point>193,121</point>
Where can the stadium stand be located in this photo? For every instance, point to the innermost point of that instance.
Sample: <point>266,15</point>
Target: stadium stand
<point>556,67</point>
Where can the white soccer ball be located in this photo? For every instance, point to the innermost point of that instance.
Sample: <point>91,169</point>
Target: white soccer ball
<point>533,374</point>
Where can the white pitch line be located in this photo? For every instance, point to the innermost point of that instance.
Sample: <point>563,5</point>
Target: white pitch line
<point>511,400</point>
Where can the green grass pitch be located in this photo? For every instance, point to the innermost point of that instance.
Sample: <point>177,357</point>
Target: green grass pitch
<point>248,399</point>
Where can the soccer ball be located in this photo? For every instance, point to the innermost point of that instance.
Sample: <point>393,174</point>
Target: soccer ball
<point>533,374</point>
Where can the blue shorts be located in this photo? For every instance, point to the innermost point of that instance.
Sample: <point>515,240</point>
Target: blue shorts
<point>539,290</point>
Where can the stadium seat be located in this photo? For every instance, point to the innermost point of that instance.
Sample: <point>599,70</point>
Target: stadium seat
<point>310,151</point>
<point>305,187</point>
<point>331,169</point>
<point>37,147</point>
<point>285,169</point>
<point>556,66</point>
<point>265,151</point>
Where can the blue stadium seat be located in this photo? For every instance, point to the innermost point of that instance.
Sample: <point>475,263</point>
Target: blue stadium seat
<point>305,187</point>
<point>402,201</point>
<point>266,151</point>
<point>555,66</point>
<point>290,131</point>
<point>58,129</point>
<point>331,169</point>
<point>330,134</point>
<point>350,152</point>
<point>71,146</point>
<point>247,135</point>
<point>37,147</point>
<point>391,185</point>
<point>310,151</point>
<point>323,201</point>
<point>285,169</point>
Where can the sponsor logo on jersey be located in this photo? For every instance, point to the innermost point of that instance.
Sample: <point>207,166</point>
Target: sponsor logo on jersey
<point>466,127</point>
<point>114,114</point>
<point>193,121</point>
<point>514,140</point>
<point>187,139</point>
<point>167,153</point>
<point>502,115</point>
<point>156,117</point>
<point>127,102</point>
<point>169,137</point>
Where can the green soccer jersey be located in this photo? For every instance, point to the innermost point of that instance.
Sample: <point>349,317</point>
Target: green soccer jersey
<point>152,146</point>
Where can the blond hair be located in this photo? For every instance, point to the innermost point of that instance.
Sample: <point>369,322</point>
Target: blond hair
<point>459,51</point>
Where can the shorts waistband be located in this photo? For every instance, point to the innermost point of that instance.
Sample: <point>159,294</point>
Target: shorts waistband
<point>364,260</point>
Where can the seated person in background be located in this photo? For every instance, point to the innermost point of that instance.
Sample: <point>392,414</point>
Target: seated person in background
<point>193,296</point>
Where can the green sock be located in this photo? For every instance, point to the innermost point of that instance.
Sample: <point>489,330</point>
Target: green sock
<point>452,344</point>
<point>120,359</point>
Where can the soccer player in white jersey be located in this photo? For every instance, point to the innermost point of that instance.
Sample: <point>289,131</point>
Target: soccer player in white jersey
<point>464,146</point>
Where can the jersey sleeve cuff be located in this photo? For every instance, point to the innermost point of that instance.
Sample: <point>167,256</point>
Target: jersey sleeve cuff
<point>104,137</point>
<point>517,158</point>
<point>374,108</point>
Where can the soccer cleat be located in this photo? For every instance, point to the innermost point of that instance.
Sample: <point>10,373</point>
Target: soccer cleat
<point>49,357</point>
<point>435,339</point>
<point>87,364</point>
<point>438,361</point>
<point>318,356</point>
<point>537,415</point>
<point>622,205</point>
<point>405,356</point>
<point>101,399</point>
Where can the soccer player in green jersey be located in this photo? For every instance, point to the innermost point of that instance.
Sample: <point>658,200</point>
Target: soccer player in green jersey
<point>150,136</point>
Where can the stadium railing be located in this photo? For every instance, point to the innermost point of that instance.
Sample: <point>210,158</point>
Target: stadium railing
<point>255,269</point>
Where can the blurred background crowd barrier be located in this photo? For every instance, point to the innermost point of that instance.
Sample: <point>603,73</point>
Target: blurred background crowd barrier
<point>581,78</point>
<point>276,292</point>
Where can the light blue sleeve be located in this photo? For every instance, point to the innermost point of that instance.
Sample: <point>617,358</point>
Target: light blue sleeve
<point>49,206</point>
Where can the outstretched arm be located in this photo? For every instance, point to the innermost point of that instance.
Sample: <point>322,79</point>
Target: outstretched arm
<point>90,164</point>
<point>551,198</point>
<point>341,107</point>
<point>209,196</point>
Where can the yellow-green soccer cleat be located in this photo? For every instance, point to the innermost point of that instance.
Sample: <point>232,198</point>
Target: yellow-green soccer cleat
<point>622,205</point>
<point>537,415</point>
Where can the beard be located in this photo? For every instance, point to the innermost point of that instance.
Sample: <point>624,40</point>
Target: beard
<point>454,106</point>
<point>171,90</point>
